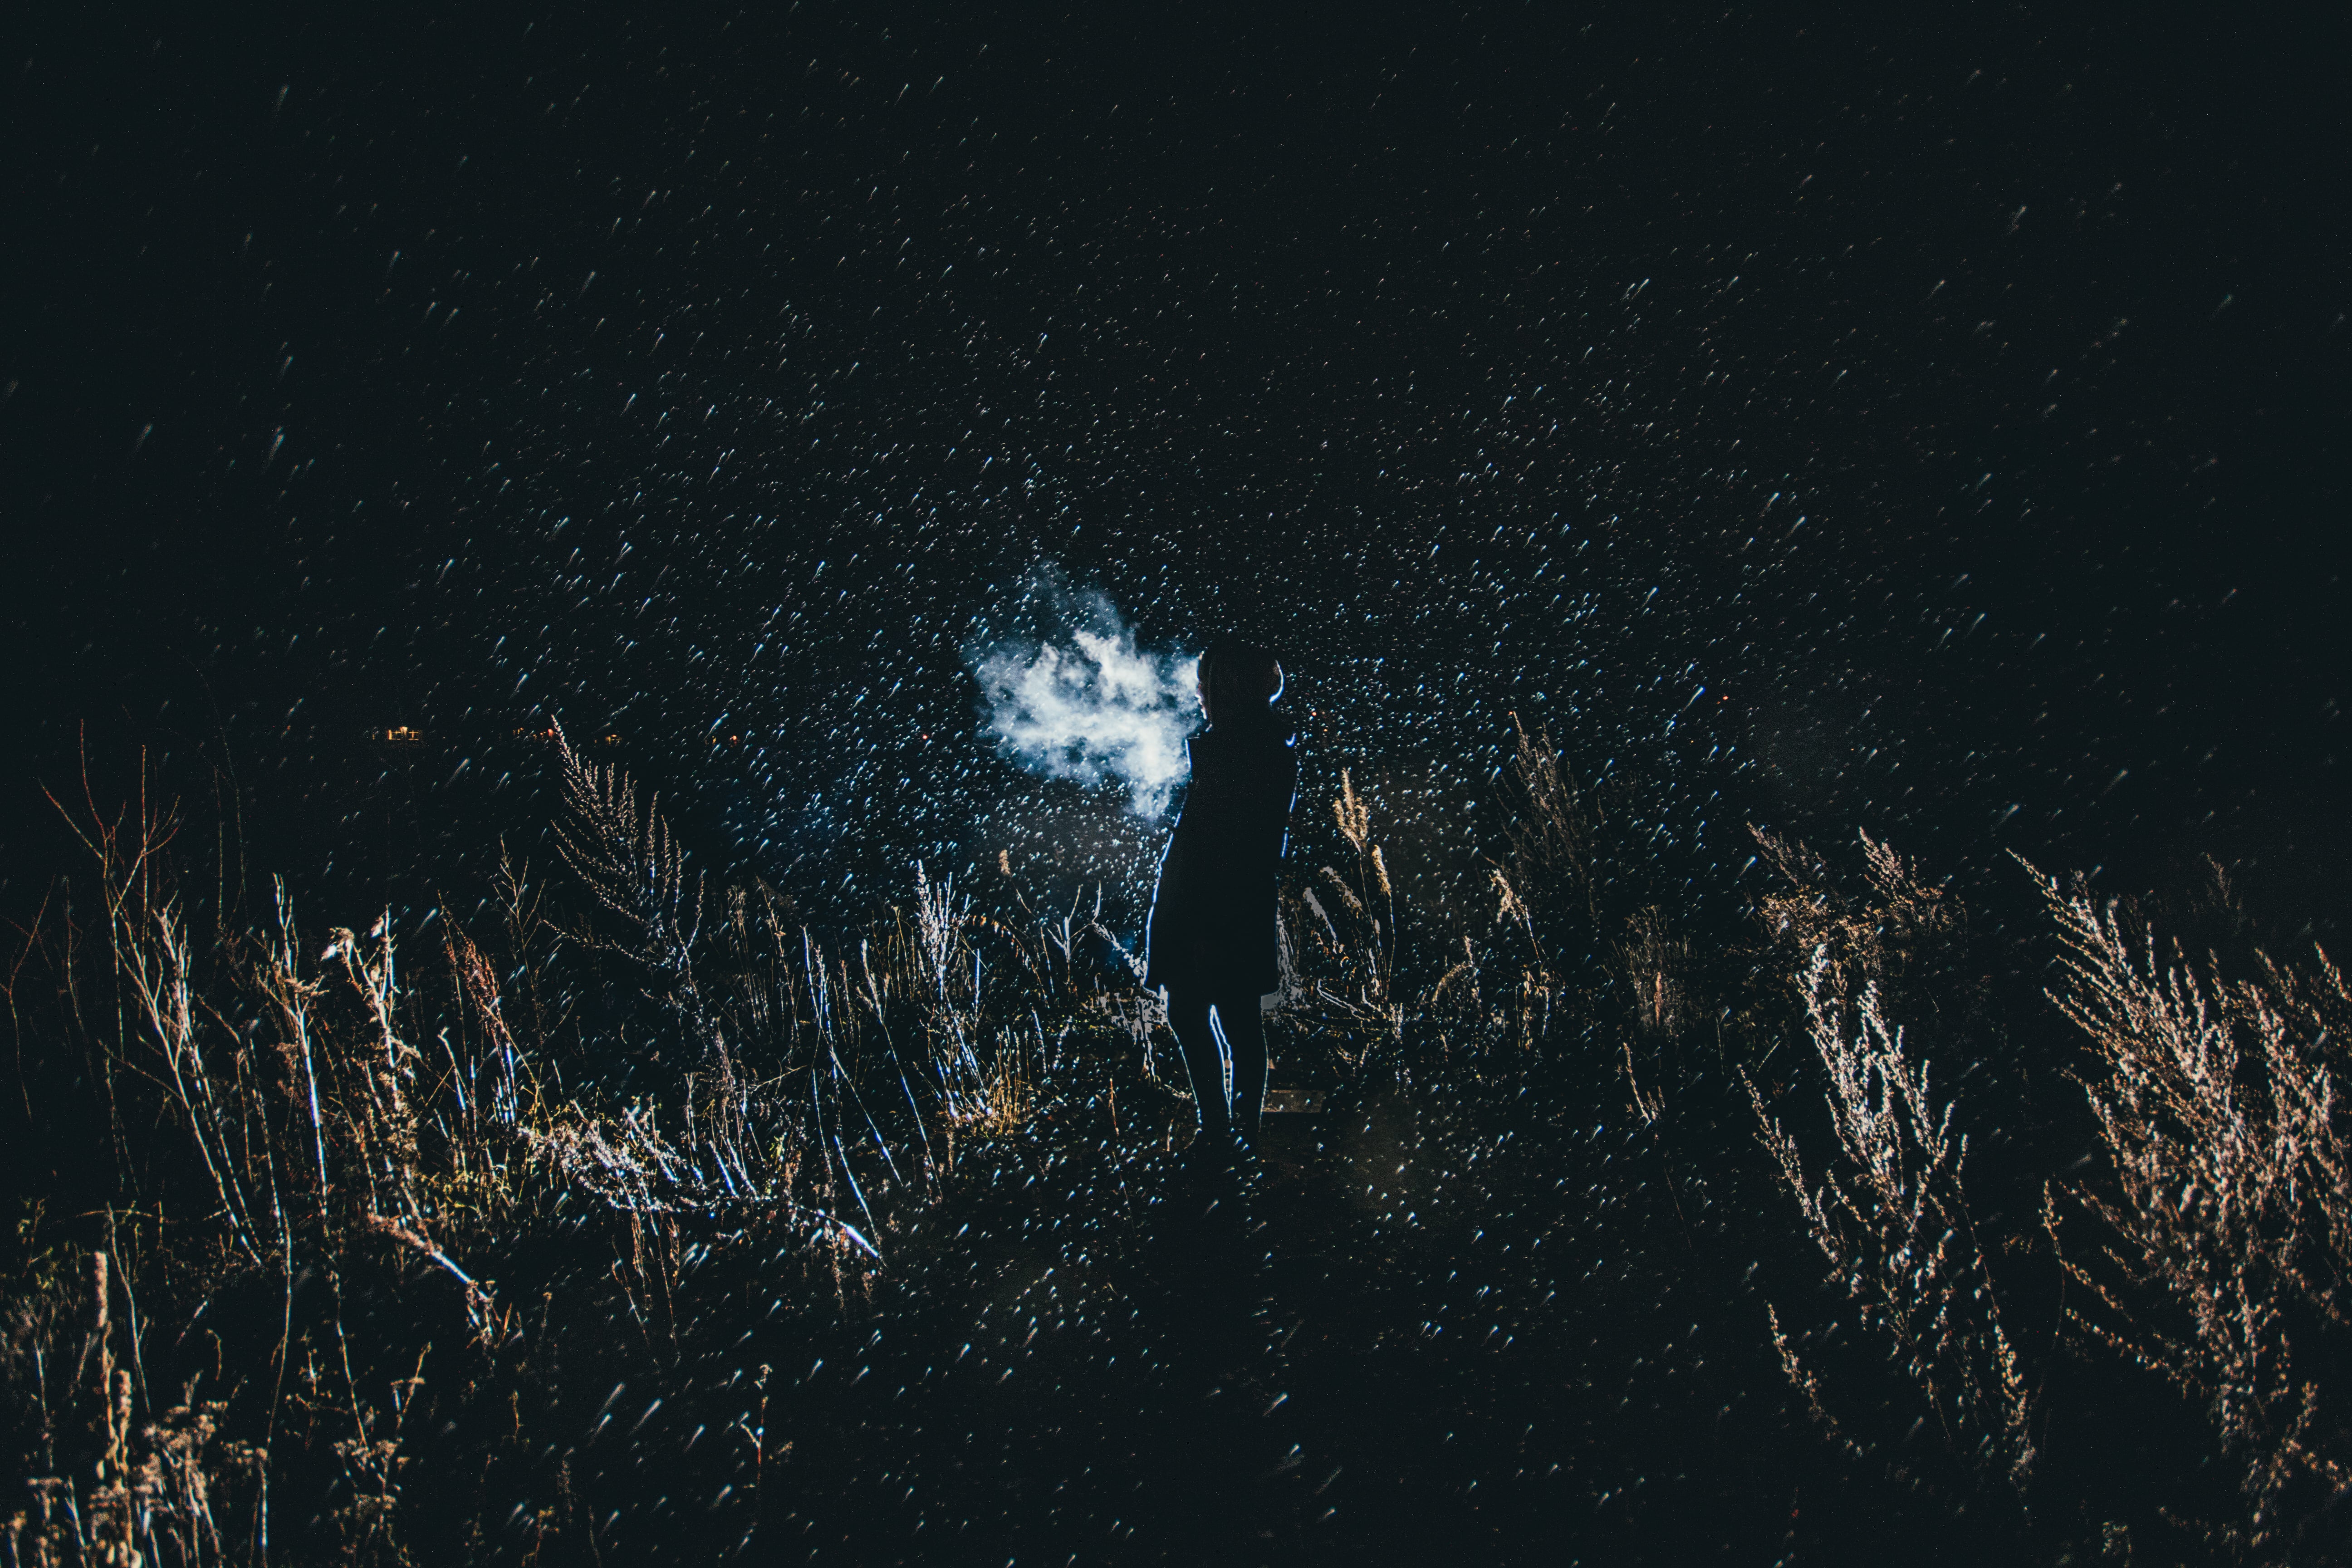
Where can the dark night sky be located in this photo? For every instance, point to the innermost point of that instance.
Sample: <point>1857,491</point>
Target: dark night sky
<point>1960,399</point>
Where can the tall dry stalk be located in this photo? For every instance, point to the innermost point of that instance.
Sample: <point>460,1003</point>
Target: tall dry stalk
<point>1888,1210</point>
<point>631,863</point>
<point>1549,828</point>
<point>1336,936</point>
<point>1889,1213</point>
<point>1545,889</point>
<point>2223,1219</point>
<point>1653,962</point>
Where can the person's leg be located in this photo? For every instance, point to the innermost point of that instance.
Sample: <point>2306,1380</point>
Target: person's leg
<point>1242,1026</point>
<point>1188,1015</point>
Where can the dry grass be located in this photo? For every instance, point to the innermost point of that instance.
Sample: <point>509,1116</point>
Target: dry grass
<point>1338,934</point>
<point>143,1491</point>
<point>340,1116</point>
<point>2219,1234</point>
<point>1889,1212</point>
<point>1884,1200</point>
<point>2210,1239</point>
<point>1897,931</point>
<point>338,1109</point>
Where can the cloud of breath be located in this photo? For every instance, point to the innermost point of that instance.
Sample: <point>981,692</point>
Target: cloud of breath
<point>1082,702</point>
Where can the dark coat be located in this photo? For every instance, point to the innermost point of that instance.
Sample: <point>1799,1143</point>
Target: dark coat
<point>1213,914</point>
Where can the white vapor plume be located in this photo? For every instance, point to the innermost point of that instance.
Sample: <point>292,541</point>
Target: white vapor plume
<point>1081,702</point>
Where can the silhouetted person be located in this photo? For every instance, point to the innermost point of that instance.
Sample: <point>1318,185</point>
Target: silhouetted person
<point>1213,939</point>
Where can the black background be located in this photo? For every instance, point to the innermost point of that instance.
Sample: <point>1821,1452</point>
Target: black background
<point>1467,354</point>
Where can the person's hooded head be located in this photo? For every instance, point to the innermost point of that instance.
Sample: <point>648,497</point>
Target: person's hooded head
<point>1239,681</point>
